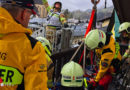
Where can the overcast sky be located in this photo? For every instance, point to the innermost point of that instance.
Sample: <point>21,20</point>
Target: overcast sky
<point>80,4</point>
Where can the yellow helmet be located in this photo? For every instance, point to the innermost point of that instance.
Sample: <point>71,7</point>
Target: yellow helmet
<point>47,46</point>
<point>125,27</point>
<point>95,39</point>
<point>72,75</point>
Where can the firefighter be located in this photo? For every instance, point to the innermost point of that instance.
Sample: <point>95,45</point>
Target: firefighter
<point>124,30</point>
<point>55,20</point>
<point>50,66</point>
<point>22,58</point>
<point>72,76</point>
<point>110,57</point>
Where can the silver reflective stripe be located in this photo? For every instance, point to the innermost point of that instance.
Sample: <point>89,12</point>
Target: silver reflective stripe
<point>67,77</point>
<point>54,19</point>
<point>79,77</point>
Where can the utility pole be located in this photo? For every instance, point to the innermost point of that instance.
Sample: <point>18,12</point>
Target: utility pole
<point>95,17</point>
<point>105,3</point>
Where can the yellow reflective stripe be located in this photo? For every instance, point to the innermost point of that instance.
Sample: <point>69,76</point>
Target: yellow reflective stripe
<point>48,58</point>
<point>85,83</point>
<point>51,27</point>
<point>117,48</point>
<point>48,51</point>
<point>62,19</point>
<point>10,75</point>
<point>56,15</point>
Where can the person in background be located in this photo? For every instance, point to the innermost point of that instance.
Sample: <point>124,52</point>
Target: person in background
<point>124,30</point>
<point>110,58</point>
<point>50,66</point>
<point>55,20</point>
<point>22,58</point>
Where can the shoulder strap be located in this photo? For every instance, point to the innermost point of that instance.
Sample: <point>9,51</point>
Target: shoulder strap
<point>33,41</point>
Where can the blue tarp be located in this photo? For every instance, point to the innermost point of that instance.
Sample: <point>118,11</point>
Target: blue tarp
<point>117,24</point>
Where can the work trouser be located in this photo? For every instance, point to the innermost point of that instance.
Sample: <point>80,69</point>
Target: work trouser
<point>50,34</point>
<point>53,37</point>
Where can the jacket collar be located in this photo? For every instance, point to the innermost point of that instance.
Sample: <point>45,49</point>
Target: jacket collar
<point>9,25</point>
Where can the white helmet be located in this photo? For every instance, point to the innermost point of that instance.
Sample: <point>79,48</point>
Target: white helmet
<point>95,39</point>
<point>72,75</point>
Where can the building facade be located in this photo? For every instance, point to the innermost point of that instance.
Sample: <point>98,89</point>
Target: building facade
<point>41,8</point>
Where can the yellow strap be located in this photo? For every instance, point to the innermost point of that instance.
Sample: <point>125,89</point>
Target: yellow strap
<point>48,58</point>
<point>48,51</point>
<point>117,48</point>
<point>85,83</point>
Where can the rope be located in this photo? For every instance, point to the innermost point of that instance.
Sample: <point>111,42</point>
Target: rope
<point>81,57</point>
<point>76,51</point>
<point>90,22</point>
<point>87,30</point>
<point>84,58</point>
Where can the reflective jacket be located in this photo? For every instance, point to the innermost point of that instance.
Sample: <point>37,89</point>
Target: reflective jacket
<point>22,58</point>
<point>107,55</point>
<point>54,19</point>
<point>127,53</point>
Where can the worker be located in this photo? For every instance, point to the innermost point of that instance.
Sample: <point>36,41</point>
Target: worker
<point>124,30</point>
<point>50,66</point>
<point>110,57</point>
<point>55,19</point>
<point>22,58</point>
<point>72,76</point>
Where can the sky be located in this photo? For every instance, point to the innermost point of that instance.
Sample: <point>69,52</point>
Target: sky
<point>80,4</point>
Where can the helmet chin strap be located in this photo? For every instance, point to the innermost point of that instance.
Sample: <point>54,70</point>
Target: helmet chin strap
<point>100,45</point>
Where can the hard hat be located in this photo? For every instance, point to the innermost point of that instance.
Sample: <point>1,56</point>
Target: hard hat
<point>125,27</point>
<point>72,75</point>
<point>95,39</point>
<point>46,44</point>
